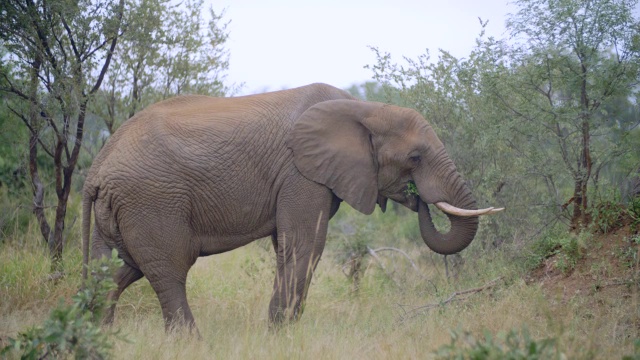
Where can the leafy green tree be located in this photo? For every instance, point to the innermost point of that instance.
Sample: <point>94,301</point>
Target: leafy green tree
<point>374,91</point>
<point>450,94</point>
<point>11,134</point>
<point>573,56</point>
<point>58,55</point>
<point>530,121</point>
<point>167,50</point>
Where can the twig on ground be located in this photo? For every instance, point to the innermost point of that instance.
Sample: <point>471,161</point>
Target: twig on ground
<point>618,282</point>
<point>455,296</point>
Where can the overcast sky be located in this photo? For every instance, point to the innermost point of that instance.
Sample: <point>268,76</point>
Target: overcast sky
<point>279,44</point>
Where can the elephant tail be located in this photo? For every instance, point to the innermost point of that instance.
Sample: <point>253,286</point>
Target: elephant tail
<point>88,197</point>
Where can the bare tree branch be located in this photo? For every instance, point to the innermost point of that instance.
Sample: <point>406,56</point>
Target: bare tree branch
<point>112,48</point>
<point>455,296</point>
<point>31,129</point>
<point>71,40</point>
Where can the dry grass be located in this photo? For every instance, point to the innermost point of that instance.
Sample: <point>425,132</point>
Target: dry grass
<point>229,295</point>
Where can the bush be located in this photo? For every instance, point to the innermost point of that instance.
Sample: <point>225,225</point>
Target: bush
<point>512,345</point>
<point>633,208</point>
<point>566,246</point>
<point>73,329</point>
<point>636,352</point>
<point>15,212</point>
<point>611,214</point>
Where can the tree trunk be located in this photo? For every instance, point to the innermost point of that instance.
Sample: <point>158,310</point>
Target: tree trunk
<point>576,218</point>
<point>580,216</point>
<point>38,188</point>
<point>56,240</point>
<point>36,183</point>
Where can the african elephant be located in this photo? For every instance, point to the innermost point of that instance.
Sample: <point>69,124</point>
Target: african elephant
<point>195,176</point>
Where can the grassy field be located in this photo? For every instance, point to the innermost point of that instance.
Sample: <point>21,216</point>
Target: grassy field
<point>229,295</point>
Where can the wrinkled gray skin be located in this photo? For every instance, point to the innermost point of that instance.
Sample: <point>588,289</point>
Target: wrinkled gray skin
<point>195,176</point>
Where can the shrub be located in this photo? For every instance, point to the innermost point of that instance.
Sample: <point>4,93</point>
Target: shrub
<point>73,329</point>
<point>14,214</point>
<point>636,352</point>
<point>633,209</point>
<point>629,254</point>
<point>352,251</point>
<point>566,246</point>
<point>512,345</point>
<point>607,216</point>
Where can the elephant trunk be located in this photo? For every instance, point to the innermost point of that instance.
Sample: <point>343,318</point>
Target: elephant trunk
<point>463,228</point>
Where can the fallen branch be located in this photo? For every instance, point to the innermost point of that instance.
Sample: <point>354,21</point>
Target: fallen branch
<point>353,260</point>
<point>455,296</point>
<point>377,259</point>
<point>617,282</point>
<point>386,248</point>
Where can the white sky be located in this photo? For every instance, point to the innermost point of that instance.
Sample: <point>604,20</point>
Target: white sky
<point>277,44</point>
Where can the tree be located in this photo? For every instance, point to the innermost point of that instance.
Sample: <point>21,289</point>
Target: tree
<point>59,52</point>
<point>571,57</point>
<point>452,94</point>
<point>373,91</point>
<point>529,118</point>
<point>167,50</point>
<point>11,134</point>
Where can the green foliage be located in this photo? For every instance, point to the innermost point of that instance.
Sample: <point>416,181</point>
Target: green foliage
<point>14,216</point>
<point>411,189</point>
<point>58,54</point>
<point>610,213</point>
<point>633,209</point>
<point>513,345</point>
<point>373,91</point>
<point>530,120</point>
<point>167,50</point>
<point>355,243</point>
<point>607,216</point>
<point>636,352</point>
<point>12,162</point>
<point>630,255</point>
<point>73,330</point>
<point>565,77</point>
<point>568,254</point>
<point>566,247</point>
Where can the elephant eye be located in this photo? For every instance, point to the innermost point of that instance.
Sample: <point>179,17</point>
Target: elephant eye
<point>415,160</point>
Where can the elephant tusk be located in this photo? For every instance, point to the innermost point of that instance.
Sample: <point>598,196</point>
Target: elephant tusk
<point>494,211</point>
<point>450,209</point>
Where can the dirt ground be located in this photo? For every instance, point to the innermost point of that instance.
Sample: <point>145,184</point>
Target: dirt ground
<point>605,278</point>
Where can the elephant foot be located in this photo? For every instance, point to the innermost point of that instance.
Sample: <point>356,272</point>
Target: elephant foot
<point>182,329</point>
<point>181,324</point>
<point>281,316</point>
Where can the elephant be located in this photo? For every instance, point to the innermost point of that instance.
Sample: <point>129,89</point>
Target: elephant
<point>195,176</point>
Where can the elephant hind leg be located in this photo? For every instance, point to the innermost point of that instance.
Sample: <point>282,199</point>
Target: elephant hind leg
<point>124,276</point>
<point>172,294</point>
<point>163,250</point>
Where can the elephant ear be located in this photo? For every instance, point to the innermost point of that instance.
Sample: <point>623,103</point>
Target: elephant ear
<point>332,146</point>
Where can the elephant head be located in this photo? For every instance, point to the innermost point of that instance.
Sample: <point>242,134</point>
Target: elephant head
<point>368,152</point>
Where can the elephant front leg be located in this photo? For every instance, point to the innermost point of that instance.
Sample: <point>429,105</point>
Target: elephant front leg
<point>290,290</point>
<point>300,242</point>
